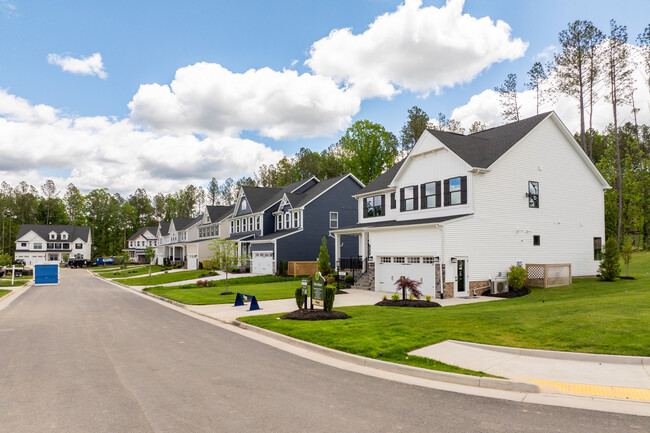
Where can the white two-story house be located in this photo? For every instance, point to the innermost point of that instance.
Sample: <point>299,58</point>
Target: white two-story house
<point>176,242</point>
<point>39,243</point>
<point>139,241</point>
<point>460,209</point>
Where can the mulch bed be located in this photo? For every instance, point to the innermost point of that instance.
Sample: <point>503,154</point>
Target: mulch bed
<point>227,293</point>
<point>418,303</point>
<point>626,278</point>
<point>315,315</point>
<point>341,292</point>
<point>511,294</point>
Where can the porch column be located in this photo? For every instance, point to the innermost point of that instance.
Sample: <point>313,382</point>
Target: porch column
<point>363,249</point>
<point>337,249</point>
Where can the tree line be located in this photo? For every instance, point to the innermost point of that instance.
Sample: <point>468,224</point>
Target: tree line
<point>590,65</point>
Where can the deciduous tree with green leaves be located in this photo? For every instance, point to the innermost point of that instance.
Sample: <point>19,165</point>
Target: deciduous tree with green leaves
<point>367,150</point>
<point>149,255</point>
<point>225,256</point>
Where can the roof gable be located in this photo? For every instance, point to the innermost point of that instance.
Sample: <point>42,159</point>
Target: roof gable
<point>43,231</point>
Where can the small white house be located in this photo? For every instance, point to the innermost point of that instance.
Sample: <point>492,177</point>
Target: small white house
<point>38,243</point>
<point>461,209</point>
<point>176,242</point>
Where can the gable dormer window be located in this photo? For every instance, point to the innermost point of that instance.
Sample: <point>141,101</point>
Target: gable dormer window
<point>52,236</point>
<point>64,236</point>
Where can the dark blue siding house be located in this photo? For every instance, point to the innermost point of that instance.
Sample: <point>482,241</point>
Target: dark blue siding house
<point>288,223</point>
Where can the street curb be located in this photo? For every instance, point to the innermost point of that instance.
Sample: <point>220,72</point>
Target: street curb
<point>14,293</point>
<point>442,376</point>
<point>568,356</point>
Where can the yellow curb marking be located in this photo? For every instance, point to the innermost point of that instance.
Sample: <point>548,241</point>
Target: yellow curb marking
<point>593,390</point>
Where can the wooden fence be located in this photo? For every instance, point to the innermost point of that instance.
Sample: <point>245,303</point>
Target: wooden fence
<point>554,275</point>
<point>302,268</point>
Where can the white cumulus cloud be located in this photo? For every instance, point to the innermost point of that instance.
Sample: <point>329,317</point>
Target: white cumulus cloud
<point>91,65</point>
<point>417,48</point>
<point>100,152</point>
<point>208,98</point>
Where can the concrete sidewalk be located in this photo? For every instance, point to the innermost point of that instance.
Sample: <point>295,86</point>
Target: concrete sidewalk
<point>228,313</point>
<point>559,372</point>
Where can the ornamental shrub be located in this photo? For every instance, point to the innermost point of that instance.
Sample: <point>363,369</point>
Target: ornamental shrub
<point>394,297</point>
<point>428,298</point>
<point>324,258</point>
<point>349,279</point>
<point>516,277</point>
<point>330,292</point>
<point>404,283</point>
<point>300,298</point>
<point>610,268</point>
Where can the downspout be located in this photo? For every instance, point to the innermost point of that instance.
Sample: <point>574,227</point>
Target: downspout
<point>442,260</point>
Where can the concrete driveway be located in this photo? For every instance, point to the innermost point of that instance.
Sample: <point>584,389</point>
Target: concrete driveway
<point>86,356</point>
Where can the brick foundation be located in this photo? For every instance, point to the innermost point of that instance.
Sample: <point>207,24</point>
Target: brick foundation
<point>480,286</point>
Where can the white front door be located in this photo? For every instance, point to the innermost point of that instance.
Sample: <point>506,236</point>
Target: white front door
<point>262,262</point>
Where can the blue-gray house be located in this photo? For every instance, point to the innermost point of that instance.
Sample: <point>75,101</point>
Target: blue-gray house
<point>288,223</point>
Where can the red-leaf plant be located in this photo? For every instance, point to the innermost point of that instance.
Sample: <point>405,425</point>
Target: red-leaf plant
<point>405,283</point>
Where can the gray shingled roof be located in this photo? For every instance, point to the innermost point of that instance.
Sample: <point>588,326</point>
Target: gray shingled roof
<point>184,223</point>
<point>152,230</point>
<point>259,196</point>
<point>482,149</point>
<point>479,150</point>
<point>218,213</point>
<point>382,181</point>
<point>42,230</point>
<point>395,223</point>
<point>164,228</point>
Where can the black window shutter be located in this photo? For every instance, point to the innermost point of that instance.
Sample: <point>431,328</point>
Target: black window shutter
<point>401,200</point>
<point>447,194</point>
<point>393,203</point>
<point>438,194</point>
<point>383,204</point>
<point>423,196</point>
<point>365,207</point>
<point>463,190</point>
<point>415,197</point>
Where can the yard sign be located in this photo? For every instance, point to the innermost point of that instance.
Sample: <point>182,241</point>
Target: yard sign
<point>318,290</point>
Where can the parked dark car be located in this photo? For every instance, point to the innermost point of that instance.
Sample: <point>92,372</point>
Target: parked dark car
<point>77,263</point>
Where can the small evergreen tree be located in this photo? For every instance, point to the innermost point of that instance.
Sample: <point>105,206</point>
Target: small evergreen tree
<point>324,258</point>
<point>610,268</point>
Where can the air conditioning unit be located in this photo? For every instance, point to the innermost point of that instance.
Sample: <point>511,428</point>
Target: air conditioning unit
<point>499,284</point>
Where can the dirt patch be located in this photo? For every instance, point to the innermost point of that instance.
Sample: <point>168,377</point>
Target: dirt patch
<point>315,315</point>
<point>417,303</point>
<point>227,293</point>
<point>511,294</point>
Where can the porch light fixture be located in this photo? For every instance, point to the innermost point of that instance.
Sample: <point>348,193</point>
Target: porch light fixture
<point>436,259</point>
<point>453,259</point>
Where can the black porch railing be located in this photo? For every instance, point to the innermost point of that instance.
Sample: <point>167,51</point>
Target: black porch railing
<point>351,263</point>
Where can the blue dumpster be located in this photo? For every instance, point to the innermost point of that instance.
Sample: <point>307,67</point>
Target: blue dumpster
<point>46,274</point>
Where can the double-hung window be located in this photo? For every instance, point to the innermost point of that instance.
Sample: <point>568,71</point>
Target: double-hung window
<point>257,222</point>
<point>296,220</point>
<point>334,220</point>
<point>280,222</point>
<point>287,221</point>
<point>430,195</point>
<point>456,191</point>
<point>374,206</point>
<point>409,199</point>
<point>598,248</point>
<point>533,194</point>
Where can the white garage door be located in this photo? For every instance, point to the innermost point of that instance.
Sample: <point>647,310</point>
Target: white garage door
<point>391,270</point>
<point>263,262</point>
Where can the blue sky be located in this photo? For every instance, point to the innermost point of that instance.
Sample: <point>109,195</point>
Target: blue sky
<point>147,42</point>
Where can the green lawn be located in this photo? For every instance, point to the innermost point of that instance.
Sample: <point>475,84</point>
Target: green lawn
<point>162,278</point>
<point>588,316</point>
<point>265,288</point>
<point>4,292</point>
<point>6,282</point>
<point>112,268</point>
<point>131,272</point>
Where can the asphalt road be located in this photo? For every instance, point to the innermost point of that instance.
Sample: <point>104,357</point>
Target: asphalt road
<point>86,356</point>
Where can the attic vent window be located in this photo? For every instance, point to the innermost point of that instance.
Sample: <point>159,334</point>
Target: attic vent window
<point>243,205</point>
